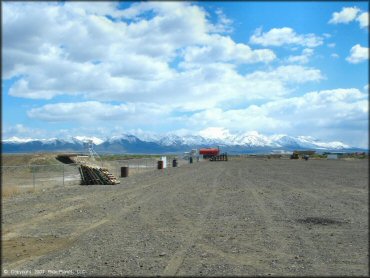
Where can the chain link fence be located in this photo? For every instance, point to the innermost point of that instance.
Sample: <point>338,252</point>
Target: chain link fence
<point>33,177</point>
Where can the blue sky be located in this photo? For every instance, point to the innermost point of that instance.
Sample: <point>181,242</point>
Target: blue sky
<point>101,69</point>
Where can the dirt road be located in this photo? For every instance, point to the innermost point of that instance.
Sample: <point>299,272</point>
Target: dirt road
<point>241,217</point>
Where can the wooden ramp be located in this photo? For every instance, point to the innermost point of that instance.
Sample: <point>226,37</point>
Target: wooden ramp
<point>96,175</point>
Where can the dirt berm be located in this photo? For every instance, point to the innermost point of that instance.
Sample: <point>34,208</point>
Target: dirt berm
<point>242,217</point>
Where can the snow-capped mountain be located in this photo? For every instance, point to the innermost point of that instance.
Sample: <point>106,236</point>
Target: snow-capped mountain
<point>73,140</point>
<point>129,143</point>
<point>85,139</point>
<point>123,137</point>
<point>251,139</point>
<point>17,140</point>
<point>189,140</point>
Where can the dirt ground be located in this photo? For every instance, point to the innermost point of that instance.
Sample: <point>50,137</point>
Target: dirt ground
<point>242,217</point>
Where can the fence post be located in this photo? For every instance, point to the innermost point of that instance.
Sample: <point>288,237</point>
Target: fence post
<point>33,177</point>
<point>63,174</point>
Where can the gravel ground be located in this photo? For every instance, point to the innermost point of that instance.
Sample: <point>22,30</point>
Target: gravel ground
<point>242,217</point>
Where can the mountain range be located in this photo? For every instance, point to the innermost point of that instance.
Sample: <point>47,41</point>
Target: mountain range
<point>251,142</point>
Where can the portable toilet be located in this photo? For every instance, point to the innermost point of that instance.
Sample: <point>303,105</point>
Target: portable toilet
<point>164,159</point>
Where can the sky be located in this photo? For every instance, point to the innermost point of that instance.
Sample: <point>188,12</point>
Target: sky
<point>106,68</point>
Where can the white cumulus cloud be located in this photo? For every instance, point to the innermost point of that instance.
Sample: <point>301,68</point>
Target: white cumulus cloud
<point>193,90</point>
<point>161,65</point>
<point>363,19</point>
<point>285,36</point>
<point>94,111</point>
<point>224,49</point>
<point>303,58</point>
<point>21,131</point>
<point>349,14</point>
<point>346,15</point>
<point>358,54</point>
<point>289,74</point>
<point>223,24</point>
<point>345,110</point>
<point>176,54</point>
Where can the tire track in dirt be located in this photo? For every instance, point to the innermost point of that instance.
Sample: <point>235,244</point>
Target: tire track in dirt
<point>318,260</point>
<point>177,259</point>
<point>320,193</point>
<point>147,220</point>
<point>45,204</point>
<point>8,234</point>
<point>53,247</point>
<point>306,244</point>
<point>181,218</point>
<point>135,200</point>
<point>270,233</point>
<point>254,259</point>
<point>284,179</point>
<point>68,207</point>
<point>231,233</point>
<point>82,229</point>
<point>21,207</point>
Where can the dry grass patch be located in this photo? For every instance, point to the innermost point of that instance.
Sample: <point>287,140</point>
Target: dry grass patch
<point>31,190</point>
<point>10,191</point>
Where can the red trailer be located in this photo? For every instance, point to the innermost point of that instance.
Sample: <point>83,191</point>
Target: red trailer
<point>213,154</point>
<point>209,152</point>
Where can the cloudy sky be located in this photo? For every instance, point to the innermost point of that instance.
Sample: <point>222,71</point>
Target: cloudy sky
<point>102,69</point>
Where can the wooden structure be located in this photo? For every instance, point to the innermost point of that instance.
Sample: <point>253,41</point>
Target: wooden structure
<point>302,154</point>
<point>96,175</point>
<point>220,157</point>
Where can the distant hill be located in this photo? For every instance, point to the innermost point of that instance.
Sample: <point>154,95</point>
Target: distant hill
<point>128,143</point>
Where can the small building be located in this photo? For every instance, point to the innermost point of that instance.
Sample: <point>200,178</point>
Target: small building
<point>338,155</point>
<point>305,152</point>
<point>332,156</point>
